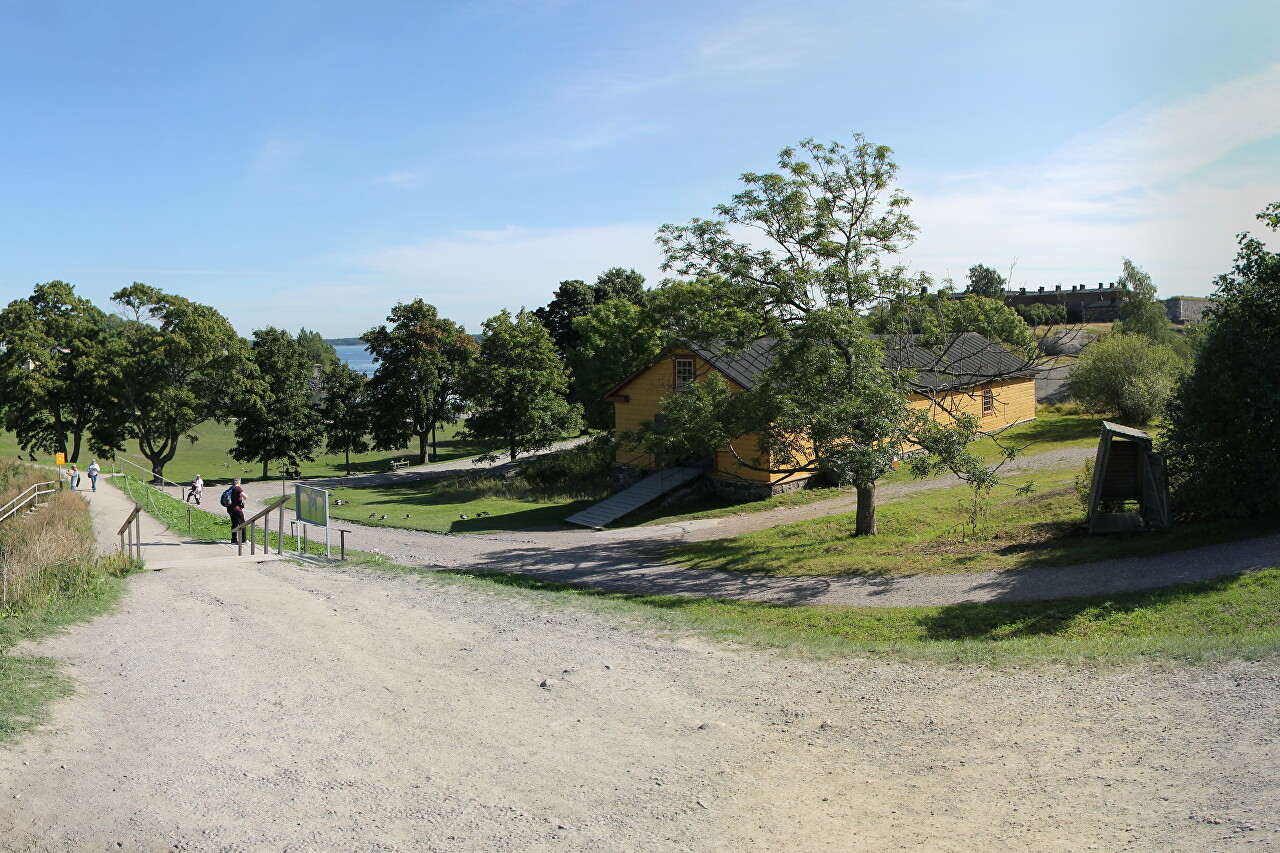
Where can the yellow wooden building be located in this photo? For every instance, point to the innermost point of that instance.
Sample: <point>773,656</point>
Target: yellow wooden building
<point>972,375</point>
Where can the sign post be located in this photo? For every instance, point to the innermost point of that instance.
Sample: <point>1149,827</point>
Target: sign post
<point>311,506</point>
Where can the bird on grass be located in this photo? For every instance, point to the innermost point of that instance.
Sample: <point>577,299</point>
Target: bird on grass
<point>382,518</point>
<point>482,515</point>
<point>406,515</point>
<point>463,517</point>
<point>372,514</point>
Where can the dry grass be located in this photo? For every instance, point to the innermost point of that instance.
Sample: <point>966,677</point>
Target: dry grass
<point>47,554</point>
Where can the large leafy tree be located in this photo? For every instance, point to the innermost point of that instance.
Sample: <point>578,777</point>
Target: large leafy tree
<point>575,298</point>
<point>345,412</point>
<point>823,232</point>
<point>615,339</point>
<point>518,387</point>
<point>1127,376</point>
<point>1141,313</point>
<point>53,347</point>
<point>170,366</point>
<point>281,421</point>
<point>937,316</point>
<point>421,358</point>
<point>985,281</point>
<point>1223,436</point>
<point>319,350</point>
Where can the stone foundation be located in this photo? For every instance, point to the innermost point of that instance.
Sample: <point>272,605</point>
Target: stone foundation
<point>739,491</point>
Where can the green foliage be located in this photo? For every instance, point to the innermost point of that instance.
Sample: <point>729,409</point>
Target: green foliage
<point>588,467</point>
<point>53,348</point>
<point>318,350</point>
<point>345,412</point>
<point>1223,438</point>
<point>615,339</point>
<point>986,282</point>
<point>1141,313</point>
<point>518,387</point>
<point>825,224</point>
<point>422,360</point>
<point>280,423</point>
<point>171,366</point>
<point>1042,314</point>
<point>1125,375</point>
<point>575,298</point>
<point>937,316</point>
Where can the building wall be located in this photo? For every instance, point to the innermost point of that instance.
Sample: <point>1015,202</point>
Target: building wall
<point>1014,402</point>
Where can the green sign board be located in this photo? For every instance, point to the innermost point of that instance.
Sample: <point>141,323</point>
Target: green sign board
<point>311,505</point>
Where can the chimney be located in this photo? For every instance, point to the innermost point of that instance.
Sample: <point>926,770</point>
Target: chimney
<point>1057,288</point>
<point>1099,285</point>
<point>1042,289</point>
<point>1022,290</point>
<point>924,290</point>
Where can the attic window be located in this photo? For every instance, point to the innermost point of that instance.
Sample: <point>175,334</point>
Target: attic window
<point>684,371</point>
<point>988,402</point>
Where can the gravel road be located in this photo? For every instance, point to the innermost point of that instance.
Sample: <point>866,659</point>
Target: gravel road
<point>276,707</point>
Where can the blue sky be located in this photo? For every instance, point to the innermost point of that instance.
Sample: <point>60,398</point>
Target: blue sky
<point>313,163</point>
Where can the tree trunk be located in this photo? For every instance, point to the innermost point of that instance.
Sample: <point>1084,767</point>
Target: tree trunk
<point>423,459</point>
<point>513,452</point>
<point>75,447</point>
<point>265,472</point>
<point>348,461</point>
<point>435,454</point>
<point>865,521</point>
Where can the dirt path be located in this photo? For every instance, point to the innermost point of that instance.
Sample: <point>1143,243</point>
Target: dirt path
<point>628,559</point>
<point>276,707</point>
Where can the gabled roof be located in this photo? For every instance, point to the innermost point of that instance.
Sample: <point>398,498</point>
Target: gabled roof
<point>968,359</point>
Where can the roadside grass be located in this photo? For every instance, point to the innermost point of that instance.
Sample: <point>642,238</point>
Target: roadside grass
<point>1233,617</point>
<point>210,456</point>
<point>934,532</point>
<point>205,526</point>
<point>53,577</point>
<point>544,491</point>
<point>1055,428</point>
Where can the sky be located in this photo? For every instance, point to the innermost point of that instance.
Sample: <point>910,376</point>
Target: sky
<point>311,164</point>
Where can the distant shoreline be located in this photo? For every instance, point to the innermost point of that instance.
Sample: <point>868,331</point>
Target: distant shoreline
<point>344,342</point>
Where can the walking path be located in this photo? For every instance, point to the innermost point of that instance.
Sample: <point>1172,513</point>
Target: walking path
<point>629,559</point>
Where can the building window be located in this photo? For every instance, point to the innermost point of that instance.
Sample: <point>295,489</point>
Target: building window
<point>988,402</point>
<point>684,371</point>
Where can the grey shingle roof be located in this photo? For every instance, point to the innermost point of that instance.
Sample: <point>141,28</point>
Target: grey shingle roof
<point>968,359</point>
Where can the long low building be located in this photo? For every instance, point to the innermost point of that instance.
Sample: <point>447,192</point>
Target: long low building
<point>973,376</point>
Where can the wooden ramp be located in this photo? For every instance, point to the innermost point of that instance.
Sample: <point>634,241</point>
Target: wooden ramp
<point>650,488</point>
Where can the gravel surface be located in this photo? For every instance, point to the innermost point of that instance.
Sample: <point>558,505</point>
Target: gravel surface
<point>275,707</point>
<point>628,559</point>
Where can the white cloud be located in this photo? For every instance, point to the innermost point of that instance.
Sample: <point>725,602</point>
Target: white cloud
<point>401,180</point>
<point>1157,185</point>
<point>471,275</point>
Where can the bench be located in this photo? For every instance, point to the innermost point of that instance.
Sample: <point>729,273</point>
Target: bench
<point>397,464</point>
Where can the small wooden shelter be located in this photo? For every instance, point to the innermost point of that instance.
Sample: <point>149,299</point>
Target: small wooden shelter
<point>1125,471</point>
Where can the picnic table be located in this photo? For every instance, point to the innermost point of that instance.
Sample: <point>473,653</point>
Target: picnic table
<point>397,464</point>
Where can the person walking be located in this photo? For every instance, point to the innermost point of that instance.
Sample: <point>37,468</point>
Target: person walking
<point>94,470</point>
<point>197,486</point>
<point>233,500</point>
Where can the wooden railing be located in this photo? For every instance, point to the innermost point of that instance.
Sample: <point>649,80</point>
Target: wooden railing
<point>250,525</point>
<point>132,527</point>
<point>30,494</point>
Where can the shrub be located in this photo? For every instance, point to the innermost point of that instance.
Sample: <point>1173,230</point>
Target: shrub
<point>1126,376</point>
<point>1223,441</point>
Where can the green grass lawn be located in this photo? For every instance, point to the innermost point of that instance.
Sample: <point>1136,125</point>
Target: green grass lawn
<point>1229,617</point>
<point>209,456</point>
<point>438,506</point>
<point>928,534</point>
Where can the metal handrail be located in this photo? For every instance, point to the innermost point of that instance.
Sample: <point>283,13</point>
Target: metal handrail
<point>23,499</point>
<point>152,474</point>
<point>266,529</point>
<point>134,531</point>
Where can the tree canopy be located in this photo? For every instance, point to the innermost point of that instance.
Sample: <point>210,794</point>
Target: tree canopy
<point>345,412</point>
<point>421,360</point>
<point>1223,435</point>
<point>985,281</point>
<point>53,348</point>
<point>1141,313</point>
<point>615,339</point>
<point>171,365</point>
<point>518,387</point>
<point>280,422</point>
<point>575,298</point>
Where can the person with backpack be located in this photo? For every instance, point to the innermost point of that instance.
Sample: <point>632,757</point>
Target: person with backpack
<point>197,486</point>
<point>94,470</point>
<point>233,500</point>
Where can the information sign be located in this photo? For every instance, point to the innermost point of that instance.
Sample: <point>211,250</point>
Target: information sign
<point>312,505</point>
<point>60,459</point>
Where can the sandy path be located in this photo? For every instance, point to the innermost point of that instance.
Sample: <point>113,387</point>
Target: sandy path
<point>276,707</point>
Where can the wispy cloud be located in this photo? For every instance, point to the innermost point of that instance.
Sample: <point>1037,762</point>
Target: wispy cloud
<point>1155,184</point>
<point>470,274</point>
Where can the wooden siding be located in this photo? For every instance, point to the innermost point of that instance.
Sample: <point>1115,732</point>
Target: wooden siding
<point>1014,402</point>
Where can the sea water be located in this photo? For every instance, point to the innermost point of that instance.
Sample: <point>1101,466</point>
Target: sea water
<point>357,358</point>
